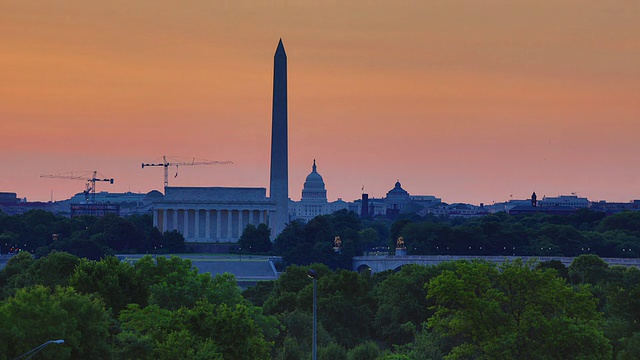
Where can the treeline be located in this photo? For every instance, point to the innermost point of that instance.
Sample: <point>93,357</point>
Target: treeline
<point>583,232</point>
<point>164,309</point>
<point>40,232</point>
<point>500,234</point>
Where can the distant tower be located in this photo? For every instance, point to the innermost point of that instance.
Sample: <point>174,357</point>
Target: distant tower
<point>279,181</point>
<point>364,212</point>
<point>534,199</point>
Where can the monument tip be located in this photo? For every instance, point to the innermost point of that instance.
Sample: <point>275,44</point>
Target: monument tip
<point>280,49</point>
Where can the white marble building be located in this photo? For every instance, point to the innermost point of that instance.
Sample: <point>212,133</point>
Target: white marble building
<point>212,214</point>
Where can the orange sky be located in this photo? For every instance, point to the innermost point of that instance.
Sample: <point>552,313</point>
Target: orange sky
<point>471,101</point>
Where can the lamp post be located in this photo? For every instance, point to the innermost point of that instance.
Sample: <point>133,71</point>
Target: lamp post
<point>313,274</point>
<point>36,349</point>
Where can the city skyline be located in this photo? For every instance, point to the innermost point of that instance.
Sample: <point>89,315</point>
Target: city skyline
<point>472,102</point>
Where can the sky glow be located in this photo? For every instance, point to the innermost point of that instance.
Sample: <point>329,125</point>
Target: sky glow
<point>470,101</point>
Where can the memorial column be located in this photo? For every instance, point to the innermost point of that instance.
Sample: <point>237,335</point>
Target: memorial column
<point>165,220</point>
<point>218,225</point>
<point>175,219</point>
<point>186,224</point>
<point>207,226</point>
<point>196,224</point>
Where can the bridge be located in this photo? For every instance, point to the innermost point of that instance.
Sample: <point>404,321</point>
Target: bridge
<point>376,264</point>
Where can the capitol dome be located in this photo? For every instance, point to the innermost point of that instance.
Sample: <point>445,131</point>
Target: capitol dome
<point>314,186</point>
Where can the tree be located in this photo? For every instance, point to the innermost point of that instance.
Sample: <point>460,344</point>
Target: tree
<point>286,289</point>
<point>232,328</point>
<point>365,351</point>
<point>114,281</point>
<point>14,275</point>
<point>402,303</point>
<point>172,242</point>
<point>370,237</point>
<point>51,271</point>
<point>588,268</point>
<point>515,311</point>
<point>296,335</point>
<point>120,234</point>
<point>332,351</point>
<point>557,265</point>
<point>256,239</point>
<point>186,290</point>
<point>8,242</point>
<point>259,293</point>
<point>82,248</point>
<point>35,315</point>
<point>155,333</point>
<point>345,306</point>
<point>291,244</point>
<point>626,220</point>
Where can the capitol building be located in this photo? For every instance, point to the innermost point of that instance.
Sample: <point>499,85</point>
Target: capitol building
<point>314,199</point>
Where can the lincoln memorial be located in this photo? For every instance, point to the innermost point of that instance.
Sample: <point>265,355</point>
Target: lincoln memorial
<point>211,214</point>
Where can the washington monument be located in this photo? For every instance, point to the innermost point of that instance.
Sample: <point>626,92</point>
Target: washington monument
<point>279,180</point>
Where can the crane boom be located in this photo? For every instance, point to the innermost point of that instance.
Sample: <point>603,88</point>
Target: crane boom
<point>177,162</point>
<point>90,177</point>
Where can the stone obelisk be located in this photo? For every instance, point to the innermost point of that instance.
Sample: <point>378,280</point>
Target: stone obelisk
<point>279,180</point>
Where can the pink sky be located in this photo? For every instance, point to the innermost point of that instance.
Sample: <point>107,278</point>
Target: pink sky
<point>470,101</point>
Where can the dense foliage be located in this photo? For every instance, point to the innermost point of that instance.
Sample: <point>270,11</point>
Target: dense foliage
<point>313,242</point>
<point>41,232</point>
<point>162,308</point>
<point>580,233</point>
<point>153,309</point>
<point>499,234</point>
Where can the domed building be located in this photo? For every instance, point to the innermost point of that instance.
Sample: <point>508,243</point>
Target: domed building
<point>314,199</point>
<point>396,200</point>
<point>313,190</point>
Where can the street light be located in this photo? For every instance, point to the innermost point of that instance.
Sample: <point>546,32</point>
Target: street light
<point>314,275</point>
<point>36,349</point>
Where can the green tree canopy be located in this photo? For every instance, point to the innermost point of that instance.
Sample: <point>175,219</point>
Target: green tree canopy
<point>36,315</point>
<point>514,311</point>
<point>255,239</point>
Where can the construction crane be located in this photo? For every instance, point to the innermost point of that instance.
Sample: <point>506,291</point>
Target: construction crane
<point>89,176</point>
<point>178,162</point>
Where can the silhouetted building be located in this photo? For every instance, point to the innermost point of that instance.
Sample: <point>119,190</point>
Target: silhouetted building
<point>615,207</point>
<point>456,210</point>
<point>565,200</point>
<point>364,210</point>
<point>8,198</point>
<point>128,203</point>
<point>396,200</point>
<point>94,209</point>
<point>551,210</point>
<point>314,199</point>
